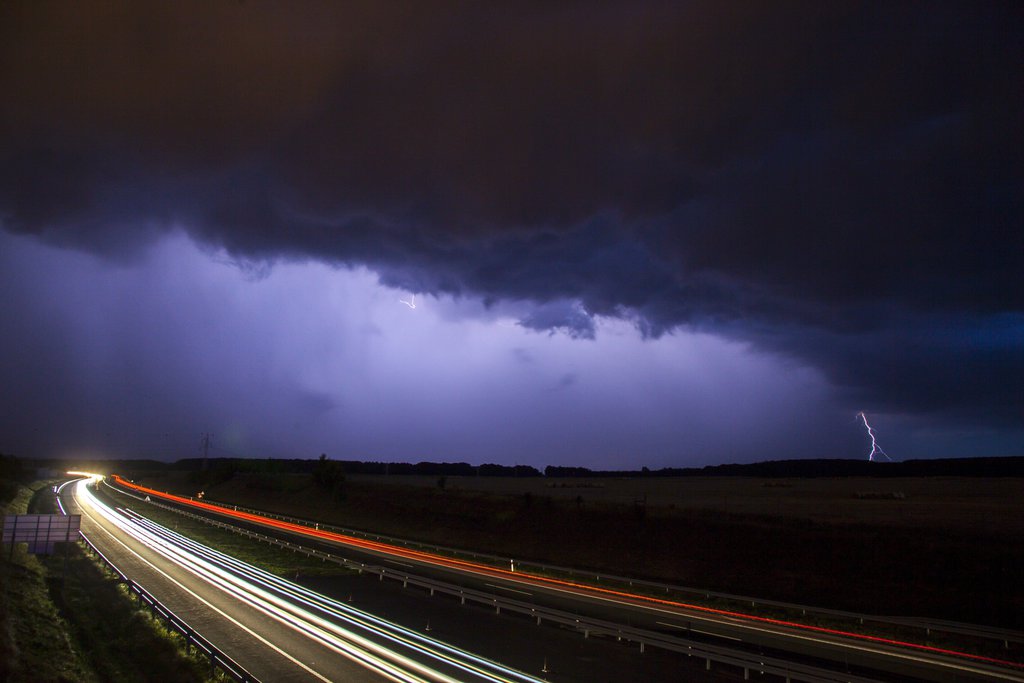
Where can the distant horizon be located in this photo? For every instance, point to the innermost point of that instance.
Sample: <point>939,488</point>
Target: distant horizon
<point>613,236</point>
<point>539,468</point>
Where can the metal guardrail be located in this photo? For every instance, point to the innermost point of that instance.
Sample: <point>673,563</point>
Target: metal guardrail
<point>1006,636</point>
<point>218,660</point>
<point>587,626</point>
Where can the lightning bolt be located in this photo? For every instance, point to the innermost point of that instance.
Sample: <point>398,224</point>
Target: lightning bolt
<point>411,303</point>
<point>875,448</point>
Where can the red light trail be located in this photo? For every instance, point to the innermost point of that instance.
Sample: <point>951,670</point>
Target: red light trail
<point>520,576</point>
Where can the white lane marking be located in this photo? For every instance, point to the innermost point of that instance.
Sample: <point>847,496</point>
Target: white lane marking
<point>715,635</point>
<point>665,623</point>
<point>285,613</point>
<point>400,564</point>
<point>897,654</point>
<point>697,630</point>
<point>935,660</point>
<point>511,590</point>
<point>200,599</point>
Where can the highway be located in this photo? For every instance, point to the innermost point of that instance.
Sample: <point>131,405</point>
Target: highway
<point>277,629</point>
<point>856,654</point>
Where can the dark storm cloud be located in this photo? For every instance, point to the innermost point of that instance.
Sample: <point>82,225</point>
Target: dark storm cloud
<point>835,181</point>
<point>963,369</point>
<point>564,316</point>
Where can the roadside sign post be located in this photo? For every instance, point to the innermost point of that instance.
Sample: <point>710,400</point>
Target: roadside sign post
<point>40,532</point>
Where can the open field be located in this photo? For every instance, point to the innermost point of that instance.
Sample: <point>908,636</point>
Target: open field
<point>973,504</point>
<point>949,548</point>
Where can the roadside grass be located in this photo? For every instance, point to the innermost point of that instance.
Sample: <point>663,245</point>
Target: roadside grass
<point>745,549</point>
<point>268,557</point>
<point>34,641</point>
<point>66,618</point>
<point>120,641</point>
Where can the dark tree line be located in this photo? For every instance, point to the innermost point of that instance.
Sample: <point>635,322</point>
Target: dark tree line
<point>329,475</point>
<point>12,472</point>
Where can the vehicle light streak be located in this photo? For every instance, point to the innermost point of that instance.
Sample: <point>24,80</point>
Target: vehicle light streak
<point>535,579</point>
<point>188,591</point>
<point>344,629</point>
<point>346,613</point>
<point>346,647</point>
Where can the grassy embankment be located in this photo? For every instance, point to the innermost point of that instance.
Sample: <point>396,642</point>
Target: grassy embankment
<point>271,558</point>
<point>65,618</point>
<point>920,560</point>
<point>35,644</point>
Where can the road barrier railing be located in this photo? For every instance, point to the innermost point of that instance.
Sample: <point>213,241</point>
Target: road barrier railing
<point>748,662</point>
<point>1006,636</point>
<point>589,626</point>
<point>218,660</point>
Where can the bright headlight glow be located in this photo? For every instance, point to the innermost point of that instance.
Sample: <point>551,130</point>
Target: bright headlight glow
<point>391,650</point>
<point>91,475</point>
<point>566,586</point>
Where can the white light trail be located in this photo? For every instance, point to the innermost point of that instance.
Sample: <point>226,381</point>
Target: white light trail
<point>875,448</point>
<point>411,303</point>
<point>360,636</point>
<point>91,475</point>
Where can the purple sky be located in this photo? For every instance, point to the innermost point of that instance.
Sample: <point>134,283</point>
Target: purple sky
<point>638,233</point>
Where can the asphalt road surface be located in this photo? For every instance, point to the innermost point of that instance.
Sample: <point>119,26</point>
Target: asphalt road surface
<point>274,628</point>
<point>269,627</point>
<point>873,658</point>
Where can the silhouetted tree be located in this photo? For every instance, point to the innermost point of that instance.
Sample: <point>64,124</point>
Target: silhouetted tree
<point>329,475</point>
